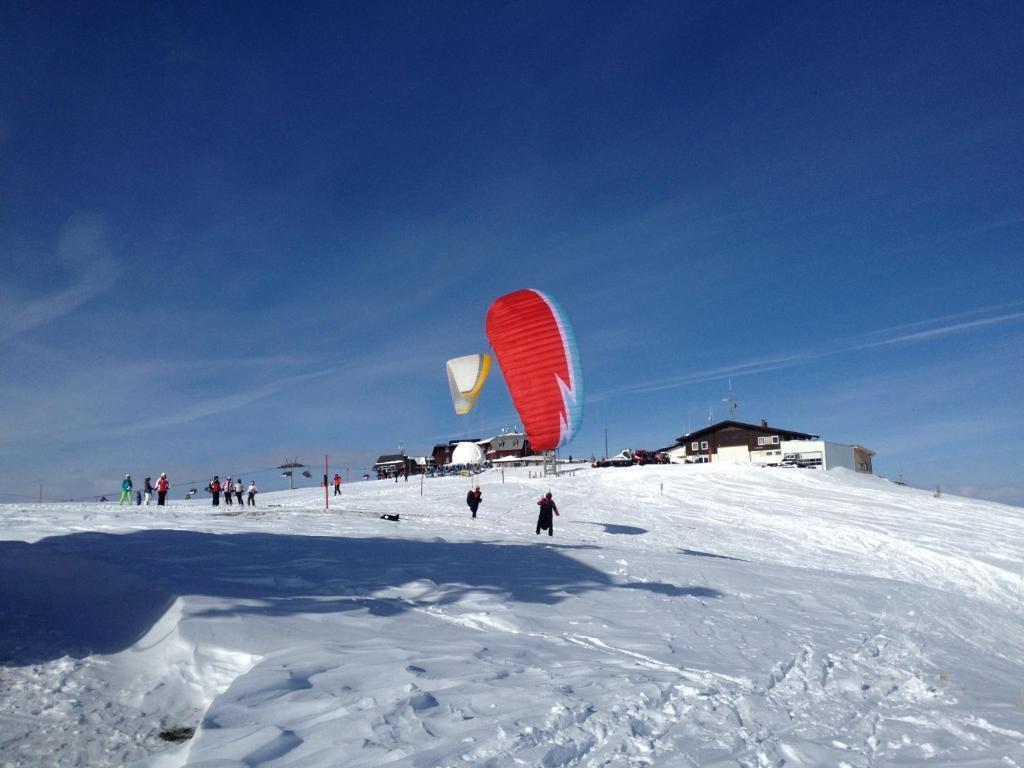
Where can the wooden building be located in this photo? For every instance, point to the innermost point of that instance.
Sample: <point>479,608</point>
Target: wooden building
<point>392,464</point>
<point>510,444</point>
<point>733,442</point>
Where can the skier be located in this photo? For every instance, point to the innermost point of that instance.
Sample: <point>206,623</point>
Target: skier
<point>473,499</point>
<point>545,521</point>
<point>126,490</point>
<point>252,493</point>
<point>215,490</point>
<point>238,491</point>
<point>161,489</point>
<point>337,484</point>
<point>227,490</point>
<point>149,490</point>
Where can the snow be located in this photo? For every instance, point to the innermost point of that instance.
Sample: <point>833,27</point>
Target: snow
<point>680,616</point>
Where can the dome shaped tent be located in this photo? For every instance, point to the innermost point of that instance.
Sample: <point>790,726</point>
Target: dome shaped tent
<point>468,453</point>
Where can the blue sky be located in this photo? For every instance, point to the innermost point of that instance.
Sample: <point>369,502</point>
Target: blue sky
<point>231,233</point>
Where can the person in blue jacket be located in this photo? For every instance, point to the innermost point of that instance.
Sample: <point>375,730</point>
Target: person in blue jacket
<point>126,490</point>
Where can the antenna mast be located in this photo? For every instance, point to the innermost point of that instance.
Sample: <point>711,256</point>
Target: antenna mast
<point>730,400</point>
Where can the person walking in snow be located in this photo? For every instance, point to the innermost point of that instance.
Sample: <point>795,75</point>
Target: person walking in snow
<point>215,490</point>
<point>162,485</point>
<point>473,499</point>
<point>544,520</point>
<point>238,491</point>
<point>337,484</point>
<point>227,490</point>
<point>126,490</point>
<point>149,490</point>
<point>252,493</point>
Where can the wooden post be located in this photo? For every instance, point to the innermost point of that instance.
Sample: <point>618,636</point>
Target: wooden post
<point>421,482</point>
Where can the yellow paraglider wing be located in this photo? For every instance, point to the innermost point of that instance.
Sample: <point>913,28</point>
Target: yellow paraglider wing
<point>466,377</point>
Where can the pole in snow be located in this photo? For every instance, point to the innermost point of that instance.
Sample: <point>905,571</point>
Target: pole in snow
<point>327,503</point>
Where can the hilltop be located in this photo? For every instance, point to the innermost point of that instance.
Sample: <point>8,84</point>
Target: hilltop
<point>706,615</point>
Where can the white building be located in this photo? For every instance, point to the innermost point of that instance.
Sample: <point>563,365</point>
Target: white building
<point>822,454</point>
<point>734,442</point>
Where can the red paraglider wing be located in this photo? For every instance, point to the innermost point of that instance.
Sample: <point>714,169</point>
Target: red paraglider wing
<point>536,350</point>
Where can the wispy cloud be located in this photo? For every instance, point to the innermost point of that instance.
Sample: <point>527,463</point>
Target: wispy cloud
<point>946,330</point>
<point>83,248</point>
<point>932,329</point>
<point>214,406</point>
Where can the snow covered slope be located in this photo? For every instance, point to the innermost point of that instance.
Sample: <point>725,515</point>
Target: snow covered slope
<point>706,615</point>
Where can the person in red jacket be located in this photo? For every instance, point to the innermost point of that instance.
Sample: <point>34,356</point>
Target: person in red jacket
<point>337,484</point>
<point>545,521</point>
<point>215,490</point>
<point>162,486</point>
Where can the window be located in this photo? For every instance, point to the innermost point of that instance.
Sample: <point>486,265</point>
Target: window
<point>694,446</point>
<point>703,445</point>
<point>775,439</point>
<point>762,441</point>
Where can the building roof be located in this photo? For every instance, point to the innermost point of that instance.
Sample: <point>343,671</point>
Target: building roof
<point>766,429</point>
<point>391,458</point>
<point>508,442</point>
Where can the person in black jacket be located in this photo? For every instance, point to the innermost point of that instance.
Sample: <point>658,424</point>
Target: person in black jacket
<point>473,500</point>
<point>149,490</point>
<point>544,520</point>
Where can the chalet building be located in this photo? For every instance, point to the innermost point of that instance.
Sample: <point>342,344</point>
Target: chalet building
<point>393,464</point>
<point>734,442</point>
<point>510,444</point>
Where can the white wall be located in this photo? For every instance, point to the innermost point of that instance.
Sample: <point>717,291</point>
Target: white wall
<point>733,454</point>
<point>839,455</point>
<point>832,454</point>
<point>677,455</point>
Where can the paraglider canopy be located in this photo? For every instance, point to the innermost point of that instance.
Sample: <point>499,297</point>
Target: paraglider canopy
<point>466,377</point>
<point>536,349</point>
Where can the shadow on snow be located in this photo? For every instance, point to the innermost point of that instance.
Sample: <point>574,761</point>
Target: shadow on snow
<point>624,530</point>
<point>698,553</point>
<point>87,593</point>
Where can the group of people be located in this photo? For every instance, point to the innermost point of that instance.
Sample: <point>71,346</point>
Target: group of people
<point>232,488</point>
<point>160,488</point>
<point>545,518</point>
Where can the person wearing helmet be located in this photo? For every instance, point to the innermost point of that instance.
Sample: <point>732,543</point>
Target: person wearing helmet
<point>545,521</point>
<point>149,490</point>
<point>126,490</point>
